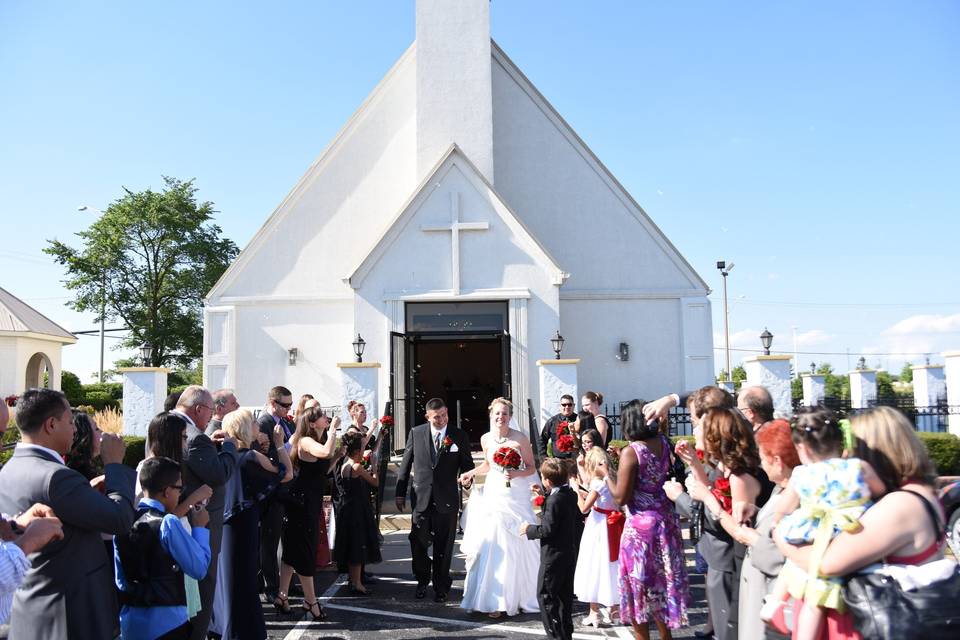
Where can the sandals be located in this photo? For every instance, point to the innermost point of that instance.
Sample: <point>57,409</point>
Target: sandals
<point>495,614</point>
<point>320,615</point>
<point>281,604</point>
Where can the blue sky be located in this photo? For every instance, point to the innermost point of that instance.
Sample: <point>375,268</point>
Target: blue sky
<point>814,144</point>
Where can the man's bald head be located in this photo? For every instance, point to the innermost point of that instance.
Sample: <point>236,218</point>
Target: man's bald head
<point>756,405</point>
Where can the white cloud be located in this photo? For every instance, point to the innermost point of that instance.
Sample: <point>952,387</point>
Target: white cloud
<point>918,335</point>
<point>925,324</point>
<point>813,338</point>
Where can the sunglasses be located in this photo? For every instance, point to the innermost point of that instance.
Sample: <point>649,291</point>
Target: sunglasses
<point>566,404</point>
<point>285,405</point>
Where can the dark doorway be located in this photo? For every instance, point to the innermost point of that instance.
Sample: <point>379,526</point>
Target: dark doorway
<point>466,372</point>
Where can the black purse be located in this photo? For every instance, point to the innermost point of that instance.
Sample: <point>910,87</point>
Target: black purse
<point>882,610</point>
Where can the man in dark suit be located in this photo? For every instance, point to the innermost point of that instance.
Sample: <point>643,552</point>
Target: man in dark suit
<point>279,401</point>
<point>203,464</point>
<point>437,454</point>
<point>558,533</point>
<point>68,592</point>
<point>549,432</point>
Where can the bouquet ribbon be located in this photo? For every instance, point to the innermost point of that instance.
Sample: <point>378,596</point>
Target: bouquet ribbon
<point>615,522</point>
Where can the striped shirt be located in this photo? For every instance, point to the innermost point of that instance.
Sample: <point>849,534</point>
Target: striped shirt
<point>13,566</point>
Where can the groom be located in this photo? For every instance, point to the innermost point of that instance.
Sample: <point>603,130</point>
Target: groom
<point>438,454</point>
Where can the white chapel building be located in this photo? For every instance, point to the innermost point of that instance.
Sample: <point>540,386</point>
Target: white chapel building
<point>457,223</point>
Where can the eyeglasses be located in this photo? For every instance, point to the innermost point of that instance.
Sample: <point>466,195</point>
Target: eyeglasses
<point>178,487</point>
<point>566,404</point>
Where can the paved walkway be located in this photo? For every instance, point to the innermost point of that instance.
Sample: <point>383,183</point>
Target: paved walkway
<point>393,613</point>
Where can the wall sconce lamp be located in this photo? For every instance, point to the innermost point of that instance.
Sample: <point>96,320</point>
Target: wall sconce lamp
<point>358,346</point>
<point>623,352</point>
<point>292,356</point>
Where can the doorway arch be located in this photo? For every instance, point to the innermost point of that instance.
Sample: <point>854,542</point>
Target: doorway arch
<point>38,364</point>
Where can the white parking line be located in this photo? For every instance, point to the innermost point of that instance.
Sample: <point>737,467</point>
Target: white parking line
<point>456,623</point>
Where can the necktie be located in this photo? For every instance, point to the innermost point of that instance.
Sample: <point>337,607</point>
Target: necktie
<point>436,447</point>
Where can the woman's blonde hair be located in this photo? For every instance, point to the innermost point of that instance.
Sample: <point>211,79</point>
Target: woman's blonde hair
<point>504,402</point>
<point>887,440</point>
<point>594,457</point>
<point>239,424</point>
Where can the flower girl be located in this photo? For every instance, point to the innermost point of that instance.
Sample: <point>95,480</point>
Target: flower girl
<point>596,580</point>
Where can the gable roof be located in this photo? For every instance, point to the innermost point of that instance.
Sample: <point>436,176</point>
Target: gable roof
<point>321,164</point>
<point>575,141</point>
<point>455,157</point>
<point>16,316</point>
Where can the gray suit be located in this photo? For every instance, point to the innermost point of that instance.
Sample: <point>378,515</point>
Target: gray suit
<point>68,593</point>
<point>203,464</point>
<point>716,547</point>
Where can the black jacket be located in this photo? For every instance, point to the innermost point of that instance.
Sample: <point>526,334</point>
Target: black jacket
<point>434,483</point>
<point>549,434</point>
<point>558,531</point>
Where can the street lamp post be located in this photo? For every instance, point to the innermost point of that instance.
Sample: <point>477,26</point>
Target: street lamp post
<point>103,294</point>
<point>725,270</point>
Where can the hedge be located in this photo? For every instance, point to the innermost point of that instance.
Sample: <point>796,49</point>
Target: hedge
<point>136,450</point>
<point>112,389</point>
<point>100,400</point>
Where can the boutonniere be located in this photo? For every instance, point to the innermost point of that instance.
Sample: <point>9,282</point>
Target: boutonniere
<point>446,444</point>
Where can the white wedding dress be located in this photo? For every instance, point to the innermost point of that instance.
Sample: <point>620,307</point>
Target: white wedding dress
<point>502,566</point>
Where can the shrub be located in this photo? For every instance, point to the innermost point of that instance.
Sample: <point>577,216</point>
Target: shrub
<point>12,435</point>
<point>101,400</point>
<point>944,450</point>
<point>109,420</point>
<point>113,390</point>
<point>177,389</point>
<point>136,450</point>
<point>72,387</point>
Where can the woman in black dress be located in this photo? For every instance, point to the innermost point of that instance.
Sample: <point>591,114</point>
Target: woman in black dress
<point>312,447</point>
<point>357,541</point>
<point>237,614</point>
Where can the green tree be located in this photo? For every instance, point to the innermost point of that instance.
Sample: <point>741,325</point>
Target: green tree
<point>885,385</point>
<point>796,388</point>
<point>906,374</point>
<point>834,386</point>
<point>149,260</point>
<point>72,387</point>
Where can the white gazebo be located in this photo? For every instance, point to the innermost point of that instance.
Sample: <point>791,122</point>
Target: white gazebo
<point>30,345</point>
<point>456,223</point>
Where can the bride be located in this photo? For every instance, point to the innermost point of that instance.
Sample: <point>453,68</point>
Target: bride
<point>502,566</point>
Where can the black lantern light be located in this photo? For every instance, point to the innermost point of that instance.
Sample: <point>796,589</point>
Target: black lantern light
<point>862,363</point>
<point>766,339</point>
<point>358,346</point>
<point>557,342</point>
<point>813,367</point>
<point>146,353</point>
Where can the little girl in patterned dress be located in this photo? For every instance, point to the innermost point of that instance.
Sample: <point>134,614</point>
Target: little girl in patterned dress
<point>827,493</point>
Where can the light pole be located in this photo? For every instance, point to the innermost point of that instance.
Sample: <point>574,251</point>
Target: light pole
<point>103,293</point>
<point>796,363</point>
<point>725,270</point>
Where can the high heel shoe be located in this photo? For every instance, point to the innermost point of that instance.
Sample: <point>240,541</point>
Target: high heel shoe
<point>281,604</point>
<point>320,615</point>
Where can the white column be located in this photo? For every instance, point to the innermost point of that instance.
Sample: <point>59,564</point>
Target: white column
<point>772,372</point>
<point>358,381</point>
<point>144,390</point>
<point>929,386</point>
<point>727,385</point>
<point>863,388</point>
<point>557,377</point>
<point>951,365</point>
<point>814,388</point>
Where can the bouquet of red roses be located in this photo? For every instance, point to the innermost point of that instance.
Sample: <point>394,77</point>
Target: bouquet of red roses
<point>721,491</point>
<point>566,443</point>
<point>508,459</point>
<point>563,428</point>
<point>387,421</point>
<point>367,460</point>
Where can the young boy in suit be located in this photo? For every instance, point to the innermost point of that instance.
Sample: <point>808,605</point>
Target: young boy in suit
<point>557,532</point>
<point>153,556</point>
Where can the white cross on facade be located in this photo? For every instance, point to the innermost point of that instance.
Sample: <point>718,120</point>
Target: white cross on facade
<point>455,227</point>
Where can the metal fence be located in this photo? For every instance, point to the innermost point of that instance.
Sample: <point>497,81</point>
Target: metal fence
<point>933,419</point>
<point>678,420</point>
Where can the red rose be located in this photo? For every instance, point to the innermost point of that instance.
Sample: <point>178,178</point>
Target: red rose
<point>538,501</point>
<point>447,442</point>
<point>386,421</point>
<point>11,401</point>
<point>565,444</point>
<point>700,455</point>
<point>563,428</point>
<point>721,491</point>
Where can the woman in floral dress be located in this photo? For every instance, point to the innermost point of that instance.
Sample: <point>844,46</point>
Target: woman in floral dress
<point>653,579</point>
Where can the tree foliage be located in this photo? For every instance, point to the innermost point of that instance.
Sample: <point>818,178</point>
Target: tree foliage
<point>906,374</point>
<point>148,261</point>
<point>834,386</point>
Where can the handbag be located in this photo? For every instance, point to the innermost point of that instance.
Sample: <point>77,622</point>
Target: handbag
<point>882,609</point>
